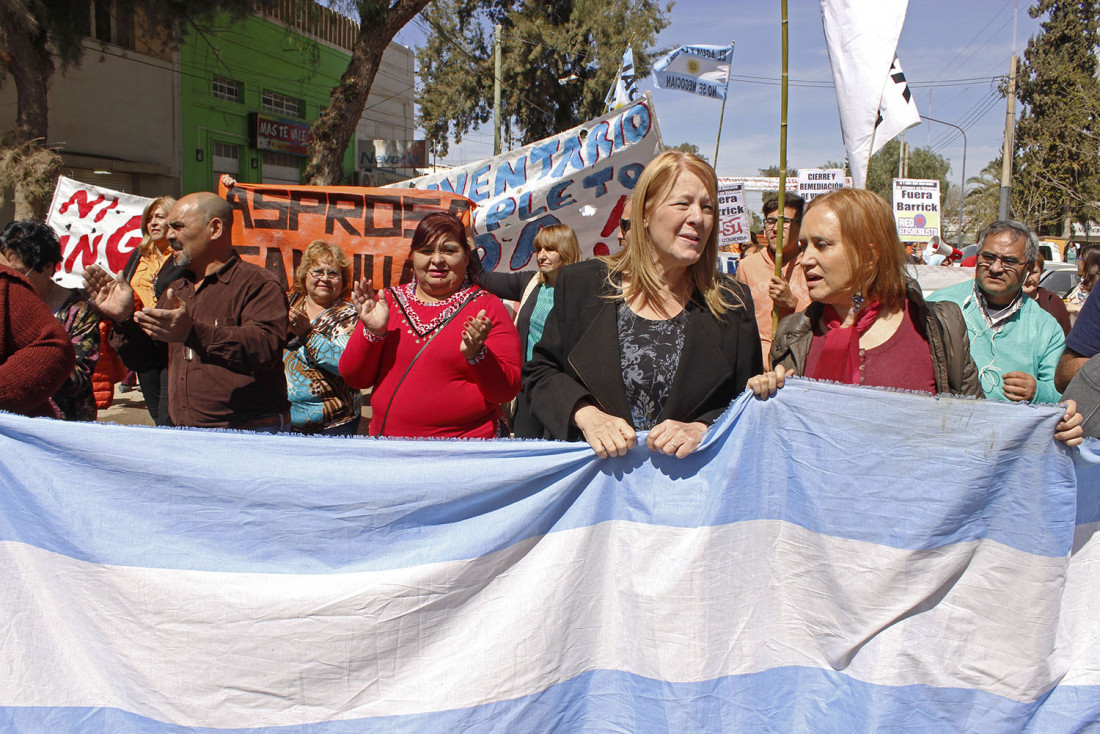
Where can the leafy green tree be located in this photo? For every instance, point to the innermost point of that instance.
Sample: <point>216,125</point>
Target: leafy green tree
<point>1057,178</point>
<point>558,60</point>
<point>379,22</point>
<point>39,37</point>
<point>690,148</point>
<point>923,163</point>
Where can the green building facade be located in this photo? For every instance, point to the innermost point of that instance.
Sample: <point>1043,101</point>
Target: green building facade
<point>251,89</point>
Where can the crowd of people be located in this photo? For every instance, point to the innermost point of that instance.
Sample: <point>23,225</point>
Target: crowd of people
<point>651,338</point>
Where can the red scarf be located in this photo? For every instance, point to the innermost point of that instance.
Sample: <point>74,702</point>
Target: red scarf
<point>839,359</point>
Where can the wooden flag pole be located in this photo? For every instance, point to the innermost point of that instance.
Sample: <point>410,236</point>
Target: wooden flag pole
<point>718,141</point>
<point>722,117</point>
<point>781,220</point>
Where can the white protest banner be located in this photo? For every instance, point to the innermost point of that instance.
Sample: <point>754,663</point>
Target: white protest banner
<point>581,178</point>
<point>95,225</point>
<point>733,220</point>
<point>917,209</point>
<point>813,182</point>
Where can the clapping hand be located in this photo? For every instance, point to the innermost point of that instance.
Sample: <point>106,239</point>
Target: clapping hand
<point>473,335</point>
<point>113,297</point>
<point>299,322</point>
<point>170,324</point>
<point>374,312</point>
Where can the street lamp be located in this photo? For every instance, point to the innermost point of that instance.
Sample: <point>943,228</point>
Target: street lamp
<point>962,191</point>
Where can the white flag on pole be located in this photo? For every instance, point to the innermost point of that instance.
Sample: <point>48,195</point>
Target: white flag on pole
<point>898,110</point>
<point>702,70</point>
<point>625,89</point>
<point>862,39</point>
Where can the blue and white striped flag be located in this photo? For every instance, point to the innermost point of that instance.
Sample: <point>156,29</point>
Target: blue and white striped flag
<point>905,563</point>
<point>702,70</point>
<point>625,89</point>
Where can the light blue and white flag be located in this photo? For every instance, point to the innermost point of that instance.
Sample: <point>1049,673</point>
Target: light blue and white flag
<point>625,89</point>
<point>896,562</point>
<point>702,70</point>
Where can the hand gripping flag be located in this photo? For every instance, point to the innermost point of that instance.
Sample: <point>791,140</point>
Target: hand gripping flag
<point>862,39</point>
<point>625,89</point>
<point>702,70</point>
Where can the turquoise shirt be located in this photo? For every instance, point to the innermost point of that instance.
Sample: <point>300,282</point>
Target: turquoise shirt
<point>543,305</point>
<point>1029,341</point>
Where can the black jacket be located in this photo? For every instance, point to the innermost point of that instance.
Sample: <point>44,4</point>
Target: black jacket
<point>578,356</point>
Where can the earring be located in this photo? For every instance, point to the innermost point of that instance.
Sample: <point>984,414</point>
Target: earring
<point>857,301</point>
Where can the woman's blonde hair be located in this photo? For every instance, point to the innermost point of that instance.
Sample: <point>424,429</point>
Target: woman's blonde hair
<point>558,238</point>
<point>636,259</point>
<point>870,239</point>
<point>146,241</point>
<point>318,251</point>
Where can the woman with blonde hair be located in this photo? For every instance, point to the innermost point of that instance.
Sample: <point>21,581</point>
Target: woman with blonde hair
<point>321,321</point>
<point>555,247</point>
<point>141,271</point>
<point>650,338</point>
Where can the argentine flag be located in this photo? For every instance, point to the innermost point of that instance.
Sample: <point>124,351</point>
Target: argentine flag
<point>702,70</point>
<point>833,559</point>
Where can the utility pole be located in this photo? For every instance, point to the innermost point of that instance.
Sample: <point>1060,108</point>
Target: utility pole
<point>901,155</point>
<point>496,90</point>
<point>1010,131</point>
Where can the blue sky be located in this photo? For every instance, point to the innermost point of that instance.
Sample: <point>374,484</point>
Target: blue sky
<point>943,41</point>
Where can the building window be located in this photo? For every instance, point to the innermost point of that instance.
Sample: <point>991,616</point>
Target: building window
<point>282,105</point>
<point>226,89</point>
<point>227,159</point>
<point>281,167</point>
<point>109,22</point>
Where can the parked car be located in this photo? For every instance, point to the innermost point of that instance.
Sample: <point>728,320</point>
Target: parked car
<point>1059,277</point>
<point>1051,251</point>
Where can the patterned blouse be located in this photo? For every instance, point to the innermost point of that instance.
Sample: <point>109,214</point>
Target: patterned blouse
<point>319,397</point>
<point>649,355</point>
<point>74,400</point>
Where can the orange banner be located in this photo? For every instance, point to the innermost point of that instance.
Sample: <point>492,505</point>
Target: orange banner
<point>273,224</point>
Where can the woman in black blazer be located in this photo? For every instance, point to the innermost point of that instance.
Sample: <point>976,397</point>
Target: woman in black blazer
<point>650,338</point>
<point>555,246</point>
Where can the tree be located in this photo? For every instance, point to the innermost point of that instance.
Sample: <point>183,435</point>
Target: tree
<point>983,197</point>
<point>923,163</point>
<point>690,148</point>
<point>37,37</point>
<point>1057,179</point>
<point>559,58</point>
<point>379,22</point>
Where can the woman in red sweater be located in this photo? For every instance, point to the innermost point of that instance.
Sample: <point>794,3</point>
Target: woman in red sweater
<point>439,353</point>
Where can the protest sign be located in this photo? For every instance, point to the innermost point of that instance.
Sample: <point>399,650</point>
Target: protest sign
<point>95,225</point>
<point>917,209</point>
<point>580,178</point>
<point>733,220</point>
<point>273,224</point>
<point>813,182</point>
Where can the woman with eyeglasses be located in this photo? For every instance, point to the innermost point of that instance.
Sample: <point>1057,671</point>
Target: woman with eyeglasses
<point>868,323</point>
<point>439,353</point>
<point>321,321</point>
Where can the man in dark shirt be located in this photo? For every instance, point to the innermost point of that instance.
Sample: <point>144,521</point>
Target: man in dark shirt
<point>221,333</point>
